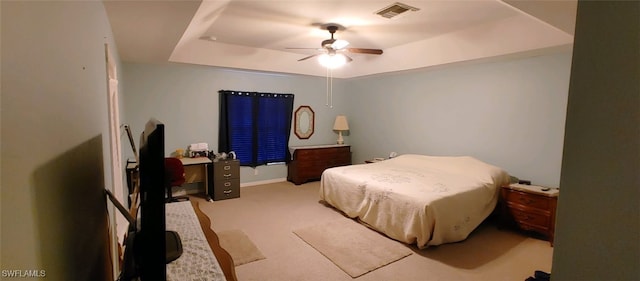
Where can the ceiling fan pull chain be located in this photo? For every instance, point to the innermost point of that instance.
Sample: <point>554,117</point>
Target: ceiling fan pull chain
<point>329,87</point>
<point>327,82</point>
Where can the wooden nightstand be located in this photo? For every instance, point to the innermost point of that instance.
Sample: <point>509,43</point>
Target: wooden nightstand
<point>530,208</point>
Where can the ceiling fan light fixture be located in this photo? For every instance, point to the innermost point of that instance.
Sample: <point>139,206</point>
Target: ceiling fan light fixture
<point>332,60</point>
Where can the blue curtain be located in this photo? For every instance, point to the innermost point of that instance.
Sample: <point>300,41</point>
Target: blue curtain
<point>256,126</point>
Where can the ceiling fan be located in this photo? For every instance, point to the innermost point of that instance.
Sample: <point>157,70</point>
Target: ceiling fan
<point>332,49</point>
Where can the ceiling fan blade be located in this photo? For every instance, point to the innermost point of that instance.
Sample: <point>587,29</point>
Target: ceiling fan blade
<point>365,51</point>
<point>308,57</point>
<point>319,49</point>
<point>349,59</point>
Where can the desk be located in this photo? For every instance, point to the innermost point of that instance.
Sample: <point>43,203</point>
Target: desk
<point>196,170</point>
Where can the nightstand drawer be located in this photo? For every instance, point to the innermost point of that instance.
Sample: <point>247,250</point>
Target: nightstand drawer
<point>531,208</point>
<point>526,199</point>
<point>533,219</point>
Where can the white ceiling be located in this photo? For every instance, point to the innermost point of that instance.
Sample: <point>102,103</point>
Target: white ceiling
<point>256,34</point>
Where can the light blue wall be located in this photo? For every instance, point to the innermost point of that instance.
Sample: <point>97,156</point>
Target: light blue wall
<point>509,113</point>
<point>55,139</point>
<point>185,98</point>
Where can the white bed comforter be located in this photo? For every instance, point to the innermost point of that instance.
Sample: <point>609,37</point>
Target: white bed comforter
<point>426,200</point>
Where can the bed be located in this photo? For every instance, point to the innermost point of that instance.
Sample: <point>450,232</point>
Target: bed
<point>416,199</point>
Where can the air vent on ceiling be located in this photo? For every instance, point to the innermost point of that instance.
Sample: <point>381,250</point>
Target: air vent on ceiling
<point>395,9</point>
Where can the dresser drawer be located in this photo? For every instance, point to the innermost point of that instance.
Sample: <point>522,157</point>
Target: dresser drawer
<point>333,152</point>
<point>308,163</point>
<point>311,173</point>
<point>523,217</point>
<point>226,169</point>
<point>530,208</point>
<point>309,155</point>
<point>344,159</point>
<point>226,189</point>
<point>226,179</point>
<point>527,199</point>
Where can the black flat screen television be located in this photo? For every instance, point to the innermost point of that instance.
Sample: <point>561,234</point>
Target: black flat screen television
<point>148,245</point>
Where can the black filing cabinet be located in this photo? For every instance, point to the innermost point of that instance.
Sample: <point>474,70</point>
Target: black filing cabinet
<point>226,179</point>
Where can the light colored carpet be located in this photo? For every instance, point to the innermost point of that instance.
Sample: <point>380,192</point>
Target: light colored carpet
<point>270,213</point>
<point>239,246</point>
<point>352,246</point>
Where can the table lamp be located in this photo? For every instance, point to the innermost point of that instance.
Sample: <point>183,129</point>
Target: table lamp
<point>340,125</point>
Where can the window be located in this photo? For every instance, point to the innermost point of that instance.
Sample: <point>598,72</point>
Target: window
<point>256,126</point>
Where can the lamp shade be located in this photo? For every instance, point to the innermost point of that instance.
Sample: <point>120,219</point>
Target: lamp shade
<point>341,123</point>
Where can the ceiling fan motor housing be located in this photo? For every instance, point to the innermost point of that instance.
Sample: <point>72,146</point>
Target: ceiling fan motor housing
<point>332,46</point>
<point>327,43</point>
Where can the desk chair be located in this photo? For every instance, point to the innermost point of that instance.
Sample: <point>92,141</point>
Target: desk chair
<point>174,171</point>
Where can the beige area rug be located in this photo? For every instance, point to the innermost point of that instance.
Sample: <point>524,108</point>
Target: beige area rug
<point>239,246</point>
<point>353,247</point>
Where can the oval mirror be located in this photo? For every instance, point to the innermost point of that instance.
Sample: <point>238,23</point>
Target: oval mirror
<point>303,122</point>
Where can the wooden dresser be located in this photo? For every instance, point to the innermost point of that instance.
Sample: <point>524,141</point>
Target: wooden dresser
<point>226,179</point>
<point>308,162</point>
<point>530,208</point>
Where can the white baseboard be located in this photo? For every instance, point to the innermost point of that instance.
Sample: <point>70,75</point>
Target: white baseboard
<point>262,182</point>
